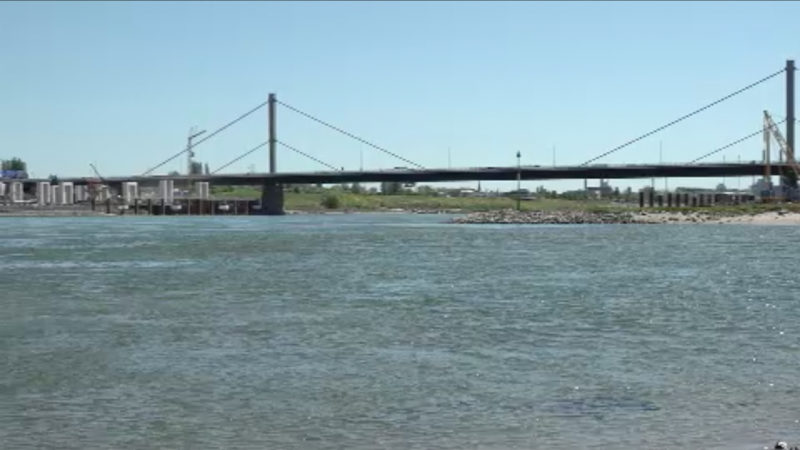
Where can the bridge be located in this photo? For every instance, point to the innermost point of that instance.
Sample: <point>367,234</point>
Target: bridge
<point>465,174</point>
<point>273,182</point>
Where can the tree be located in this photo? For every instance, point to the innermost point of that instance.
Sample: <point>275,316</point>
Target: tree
<point>330,201</point>
<point>616,192</point>
<point>391,187</point>
<point>196,168</point>
<point>721,187</point>
<point>13,164</point>
<point>426,191</point>
<point>174,173</point>
<point>207,171</point>
<point>356,188</point>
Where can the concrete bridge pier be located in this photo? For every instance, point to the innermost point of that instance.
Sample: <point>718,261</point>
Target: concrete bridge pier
<point>272,199</point>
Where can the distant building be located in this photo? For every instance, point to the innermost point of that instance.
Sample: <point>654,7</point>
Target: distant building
<point>603,191</point>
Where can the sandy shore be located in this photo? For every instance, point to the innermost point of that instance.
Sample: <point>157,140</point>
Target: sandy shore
<point>766,218</point>
<point>633,217</point>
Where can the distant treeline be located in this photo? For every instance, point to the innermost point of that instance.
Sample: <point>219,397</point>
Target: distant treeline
<point>13,168</point>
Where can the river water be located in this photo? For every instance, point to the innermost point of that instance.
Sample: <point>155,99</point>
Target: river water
<point>395,331</point>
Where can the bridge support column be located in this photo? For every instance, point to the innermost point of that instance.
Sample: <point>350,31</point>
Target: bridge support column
<point>650,195</point>
<point>43,195</point>
<point>272,199</point>
<point>272,138</point>
<point>669,199</point>
<point>641,199</point>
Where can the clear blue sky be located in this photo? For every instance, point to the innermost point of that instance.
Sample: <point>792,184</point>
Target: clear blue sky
<point>119,84</point>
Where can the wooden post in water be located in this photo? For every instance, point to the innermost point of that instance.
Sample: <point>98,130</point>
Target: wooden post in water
<point>136,207</point>
<point>108,206</point>
<point>150,207</point>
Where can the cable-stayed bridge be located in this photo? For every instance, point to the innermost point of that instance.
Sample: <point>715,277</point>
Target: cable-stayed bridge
<point>273,181</point>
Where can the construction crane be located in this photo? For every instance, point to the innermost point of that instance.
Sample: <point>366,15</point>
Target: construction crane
<point>771,128</point>
<point>92,185</point>
<point>96,172</point>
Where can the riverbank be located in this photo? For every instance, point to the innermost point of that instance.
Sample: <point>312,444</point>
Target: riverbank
<point>315,202</point>
<point>62,211</point>
<point>509,216</point>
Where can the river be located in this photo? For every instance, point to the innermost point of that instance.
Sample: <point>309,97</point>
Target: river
<point>395,331</point>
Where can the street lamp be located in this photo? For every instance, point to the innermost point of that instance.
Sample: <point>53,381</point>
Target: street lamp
<point>189,155</point>
<point>519,176</point>
<point>189,151</point>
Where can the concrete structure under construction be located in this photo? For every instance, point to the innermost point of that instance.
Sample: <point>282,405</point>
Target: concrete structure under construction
<point>166,191</point>
<point>130,192</point>
<point>55,195</point>
<point>103,193</point>
<point>81,193</point>
<point>17,194</point>
<point>43,195</point>
<point>203,191</point>
<point>67,192</point>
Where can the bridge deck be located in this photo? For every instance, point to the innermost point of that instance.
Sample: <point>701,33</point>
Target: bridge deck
<point>466,174</point>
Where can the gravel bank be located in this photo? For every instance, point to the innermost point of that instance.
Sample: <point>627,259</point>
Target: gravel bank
<point>509,216</point>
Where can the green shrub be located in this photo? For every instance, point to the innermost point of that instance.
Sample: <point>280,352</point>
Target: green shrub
<point>330,201</point>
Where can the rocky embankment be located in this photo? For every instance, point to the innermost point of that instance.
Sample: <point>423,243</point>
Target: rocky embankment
<point>509,216</point>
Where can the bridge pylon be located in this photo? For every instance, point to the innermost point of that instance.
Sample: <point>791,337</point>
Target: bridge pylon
<point>790,179</point>
<point>272,192</point>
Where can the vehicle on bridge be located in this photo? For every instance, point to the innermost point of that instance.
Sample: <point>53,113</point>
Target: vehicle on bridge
<point>14,174</point>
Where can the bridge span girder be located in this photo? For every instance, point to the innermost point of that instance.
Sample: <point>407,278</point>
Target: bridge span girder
<point>467,174</point>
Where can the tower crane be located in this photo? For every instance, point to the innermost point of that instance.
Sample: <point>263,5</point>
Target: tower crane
<point>771,128</point>
<point>93,185</point>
